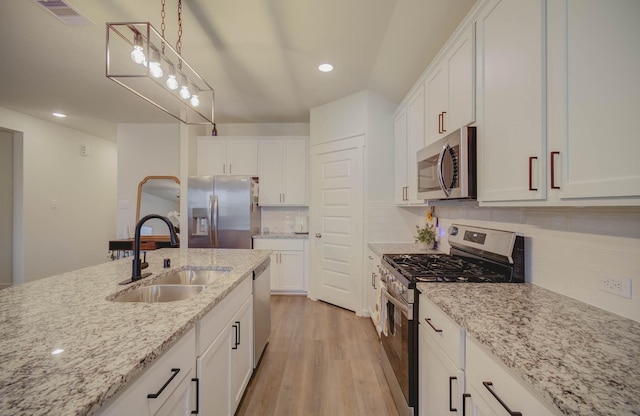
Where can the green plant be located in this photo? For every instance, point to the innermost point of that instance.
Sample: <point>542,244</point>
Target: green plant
<point>426,235</point>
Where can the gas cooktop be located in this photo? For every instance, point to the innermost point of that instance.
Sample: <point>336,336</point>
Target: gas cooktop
<point>444,268</point>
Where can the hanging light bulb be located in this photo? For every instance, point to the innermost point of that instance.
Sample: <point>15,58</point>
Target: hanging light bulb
<point>155,69</point>
<point>137,55</point>
<point>172,82</point>
<point>184,89</point>
<point>195,101</point>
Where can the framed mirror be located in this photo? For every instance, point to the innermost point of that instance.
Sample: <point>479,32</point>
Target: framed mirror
<point>159,195</point>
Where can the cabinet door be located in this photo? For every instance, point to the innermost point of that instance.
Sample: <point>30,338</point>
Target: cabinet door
<point>275,272</point>
<point>400,158</point>
<point>415,142</point>
<point>437,102</point>
<point>511,101</point>
<point>242,157</point>
<point>182,400</point>
<point>461,83</point>
<point>213,372</point>
<point>241,352</point>
<point>441,382</point>
<point>291,270</point>
<point>270,172</point>
<point>212,156</point>
<point>294,176</point>
<point>599,156</point>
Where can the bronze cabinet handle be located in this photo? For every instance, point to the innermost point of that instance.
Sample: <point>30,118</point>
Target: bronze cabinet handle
<point>489,386</point>
<point>531,159</point>
<point>553,170</point>
<point>428,320</point>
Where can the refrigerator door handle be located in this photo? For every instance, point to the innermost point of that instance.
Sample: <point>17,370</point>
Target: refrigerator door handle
<point>210,220</point>
<point>215,221</point>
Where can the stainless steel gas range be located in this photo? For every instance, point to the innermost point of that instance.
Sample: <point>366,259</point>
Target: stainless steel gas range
<point>477,255</point>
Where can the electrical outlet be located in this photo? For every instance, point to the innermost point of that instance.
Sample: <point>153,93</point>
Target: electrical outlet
<point>618,285</point>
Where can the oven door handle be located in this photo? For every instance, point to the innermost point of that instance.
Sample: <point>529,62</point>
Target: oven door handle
<point>446,190</point>
<point>403,308</point>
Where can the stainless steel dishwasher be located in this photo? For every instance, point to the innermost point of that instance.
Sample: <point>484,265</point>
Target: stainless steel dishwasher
<point>261,309</point>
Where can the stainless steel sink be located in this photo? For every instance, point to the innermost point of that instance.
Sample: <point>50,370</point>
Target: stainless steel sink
<point>192,277</point>
<point>160,293</point>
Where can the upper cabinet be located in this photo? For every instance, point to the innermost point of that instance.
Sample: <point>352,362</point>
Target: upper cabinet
<point>227,156</point>
<point>283,172</point>
<point>409,138</point>
<point>511,101</point>
<point>594,101</point>
<point>451,88</point>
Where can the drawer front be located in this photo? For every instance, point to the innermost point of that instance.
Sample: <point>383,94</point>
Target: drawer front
<point>170,370</point>
<point>486,374</point>
<point>278,244</point>
<point>212,324</point>
<point>444,331</point>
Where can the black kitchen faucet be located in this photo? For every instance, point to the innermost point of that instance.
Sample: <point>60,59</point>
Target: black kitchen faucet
<point>137,264</point>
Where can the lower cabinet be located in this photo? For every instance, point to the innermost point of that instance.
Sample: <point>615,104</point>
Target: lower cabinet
<point>288,263</point>
<point>372,283</point>
<point>494,391</point>
<point>441,359</point>
<point>179,384</point>
<point>167,388</point>
<point>225,368</point>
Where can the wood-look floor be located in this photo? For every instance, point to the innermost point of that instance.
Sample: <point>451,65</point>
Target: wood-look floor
<point>321,360</point>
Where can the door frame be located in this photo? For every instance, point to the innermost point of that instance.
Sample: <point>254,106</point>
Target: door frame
<point>358,143</point>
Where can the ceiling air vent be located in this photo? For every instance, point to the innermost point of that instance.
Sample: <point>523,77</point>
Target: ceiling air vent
<point>64,12</point>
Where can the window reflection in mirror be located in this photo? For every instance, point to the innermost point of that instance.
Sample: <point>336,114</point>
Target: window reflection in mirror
<point>159,195</point>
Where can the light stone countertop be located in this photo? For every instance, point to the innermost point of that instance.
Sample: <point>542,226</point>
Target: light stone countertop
<point>582,359</point>
<point>399,248</point>
<point>106,344</point>
<point>283,236</point>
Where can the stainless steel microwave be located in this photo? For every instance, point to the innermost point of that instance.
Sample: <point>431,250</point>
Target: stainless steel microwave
<point>447,168</point>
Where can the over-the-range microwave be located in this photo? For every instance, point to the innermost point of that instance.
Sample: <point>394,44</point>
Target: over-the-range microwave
<point>447,168</point>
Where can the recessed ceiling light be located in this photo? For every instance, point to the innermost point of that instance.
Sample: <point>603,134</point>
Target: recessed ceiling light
<point>59,115</point>
<point>325,67</point>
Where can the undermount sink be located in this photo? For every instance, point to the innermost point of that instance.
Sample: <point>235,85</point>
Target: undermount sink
<point>160,293</point>
<point>192,277</point>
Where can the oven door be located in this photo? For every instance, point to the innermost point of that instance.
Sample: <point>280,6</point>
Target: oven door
<point>395,339</point>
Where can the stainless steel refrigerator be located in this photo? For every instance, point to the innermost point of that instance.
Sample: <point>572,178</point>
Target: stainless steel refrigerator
<point>223,211</point>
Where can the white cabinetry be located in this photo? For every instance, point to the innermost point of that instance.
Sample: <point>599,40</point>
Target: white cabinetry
<point>372,283</point>
<point>225,365</point>
<point>283,172</point>
<point>227,156</point>
<point>408,140</point>
<point>450,89</point>
<point>511,70</point>
<point>288,263</point>
<point>166,388</point>
<point>594,100</point>
<point>442,361</point>
<point>493,391</point>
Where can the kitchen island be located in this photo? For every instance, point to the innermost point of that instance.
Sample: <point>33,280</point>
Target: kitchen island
<point>581,359</point>
<point>105,345</point>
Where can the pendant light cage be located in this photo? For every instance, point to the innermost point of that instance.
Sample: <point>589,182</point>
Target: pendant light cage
<point>142,61</point>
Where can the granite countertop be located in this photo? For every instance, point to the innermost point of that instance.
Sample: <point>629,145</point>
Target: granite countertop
<point>584,360</point>
<point>106,344</point>
<point>283,236</point>
<point>399,248</point>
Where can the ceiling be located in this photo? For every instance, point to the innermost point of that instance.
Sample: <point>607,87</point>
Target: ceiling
<point>261,56</point>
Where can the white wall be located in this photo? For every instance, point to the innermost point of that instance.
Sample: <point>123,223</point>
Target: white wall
<point>6,208</point>
<point>143,150</point>
<point>343,118</point>
<point>262,129</point>
<point>568,249</point>
<point>67,200</point>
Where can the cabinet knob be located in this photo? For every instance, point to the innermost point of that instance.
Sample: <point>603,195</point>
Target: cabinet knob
<point>318,235</point>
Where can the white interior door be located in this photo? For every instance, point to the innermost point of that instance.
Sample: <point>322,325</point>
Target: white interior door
<point>337,222</point>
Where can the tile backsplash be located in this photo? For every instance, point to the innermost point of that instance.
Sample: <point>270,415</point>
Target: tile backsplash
<point>569,250</point>
<point>281,219</point>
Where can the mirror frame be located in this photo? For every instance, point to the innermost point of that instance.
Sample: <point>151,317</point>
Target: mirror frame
<point>142,182</point>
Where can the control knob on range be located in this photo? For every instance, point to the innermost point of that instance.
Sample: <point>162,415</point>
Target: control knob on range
<point>453,230</point>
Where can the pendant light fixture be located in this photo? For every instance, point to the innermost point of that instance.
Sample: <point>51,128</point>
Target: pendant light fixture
<point>141,60</point>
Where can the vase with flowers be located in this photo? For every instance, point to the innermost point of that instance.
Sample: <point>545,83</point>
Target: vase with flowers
<point>426,235</point>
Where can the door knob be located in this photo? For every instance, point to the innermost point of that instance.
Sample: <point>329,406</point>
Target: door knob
<point>318,235</point>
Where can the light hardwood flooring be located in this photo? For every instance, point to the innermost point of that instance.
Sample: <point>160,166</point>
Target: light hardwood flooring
<point>321,360</point>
